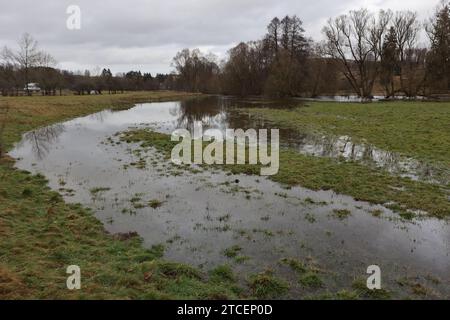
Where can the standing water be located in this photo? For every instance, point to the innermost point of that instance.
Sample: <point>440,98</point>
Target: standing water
<point>209,218</point>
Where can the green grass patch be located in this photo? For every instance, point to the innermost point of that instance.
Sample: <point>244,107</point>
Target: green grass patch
<point>308,274</point>
<point>361,291</point>
<point>232,252</point>
<point>222,273</point>
<point>415,129</point>
<point>265,285</point>
<point>341,214</point>
<point>344,177</point>
<point>97,190</point>
<point>155,203</point>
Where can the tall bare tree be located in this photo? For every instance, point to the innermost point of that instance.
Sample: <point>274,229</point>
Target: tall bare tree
<point>26,57</point>
<point>356,40</point>
<point>407,28</point>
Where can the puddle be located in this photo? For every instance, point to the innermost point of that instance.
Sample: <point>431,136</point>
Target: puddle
<point>197,216</point>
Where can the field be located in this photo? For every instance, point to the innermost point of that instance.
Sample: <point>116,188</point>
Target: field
<point>411,130</point>
<point>415,130</point>
<point>38,231</point>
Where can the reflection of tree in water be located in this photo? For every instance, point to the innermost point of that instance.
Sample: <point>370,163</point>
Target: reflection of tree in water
<point>343,147</point>
<point>42,139</point>
<point>210,111</point>
<point>216,112</point>
<point>220,113</point>
<point>100,116</point>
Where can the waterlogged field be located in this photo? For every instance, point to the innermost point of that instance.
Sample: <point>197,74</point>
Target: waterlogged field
<point>358,185</point>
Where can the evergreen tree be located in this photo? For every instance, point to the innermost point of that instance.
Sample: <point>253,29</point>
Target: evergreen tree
<point>439,56</point>
<point>389,62</point>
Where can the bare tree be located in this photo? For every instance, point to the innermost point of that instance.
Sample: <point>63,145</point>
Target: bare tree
<point>26,57</point>
<point>323,72</point>
<point>356,40</point>
<point>406,28</point>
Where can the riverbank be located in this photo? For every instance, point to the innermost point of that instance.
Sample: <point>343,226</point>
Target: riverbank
<point>40,235</point>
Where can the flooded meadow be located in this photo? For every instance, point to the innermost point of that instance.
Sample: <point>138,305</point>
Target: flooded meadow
<point>209,217</point>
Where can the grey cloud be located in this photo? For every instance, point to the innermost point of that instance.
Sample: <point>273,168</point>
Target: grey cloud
<point>145,34</point>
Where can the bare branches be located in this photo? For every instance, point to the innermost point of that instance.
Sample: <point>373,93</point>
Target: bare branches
<point>406,28</point>
<point>196,71</point>
<point>27,56</point>
<point>356,40</point>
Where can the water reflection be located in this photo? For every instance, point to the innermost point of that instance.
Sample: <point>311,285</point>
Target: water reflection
<point>42,139</point>
<point>353,98</point>
<point>266,220</point>
<point>211,112</point>
<point>226,112</point>
<point>344,148</point>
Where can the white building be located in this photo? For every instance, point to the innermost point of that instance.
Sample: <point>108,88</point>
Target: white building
<point>33,87</point>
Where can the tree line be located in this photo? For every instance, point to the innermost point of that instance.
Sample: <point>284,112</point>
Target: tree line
<point>363,53</point>
<point>29,64</point>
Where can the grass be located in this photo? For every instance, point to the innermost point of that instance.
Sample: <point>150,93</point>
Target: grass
<point>155,203</point>
<point>97,190</point>
<point>341,214</point>
<point>351,178</point>
<point>415,129</point>
<point>28,113</point>
<point>265,285</point>
<point>362,292</point>
<point>232,252</point>
<point>40,235</point>
<point>308,274</point>
<point>222,273</point>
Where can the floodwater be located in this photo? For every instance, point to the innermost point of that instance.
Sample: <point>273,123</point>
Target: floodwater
<point>200,213</point>
<point>353,98</point>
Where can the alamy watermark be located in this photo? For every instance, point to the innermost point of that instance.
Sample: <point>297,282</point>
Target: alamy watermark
<point>73,281</point>
<point>374,280</point>
<point>235,147</point>
<point>73,21</point>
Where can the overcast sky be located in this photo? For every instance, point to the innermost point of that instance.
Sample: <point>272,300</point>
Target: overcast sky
<point>146,34</point>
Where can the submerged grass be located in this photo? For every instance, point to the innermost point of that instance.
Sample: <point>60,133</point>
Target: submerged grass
<point>308,274</point>
<point>351,178</point>
<point>265,285</point>
<point>40,235</point>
